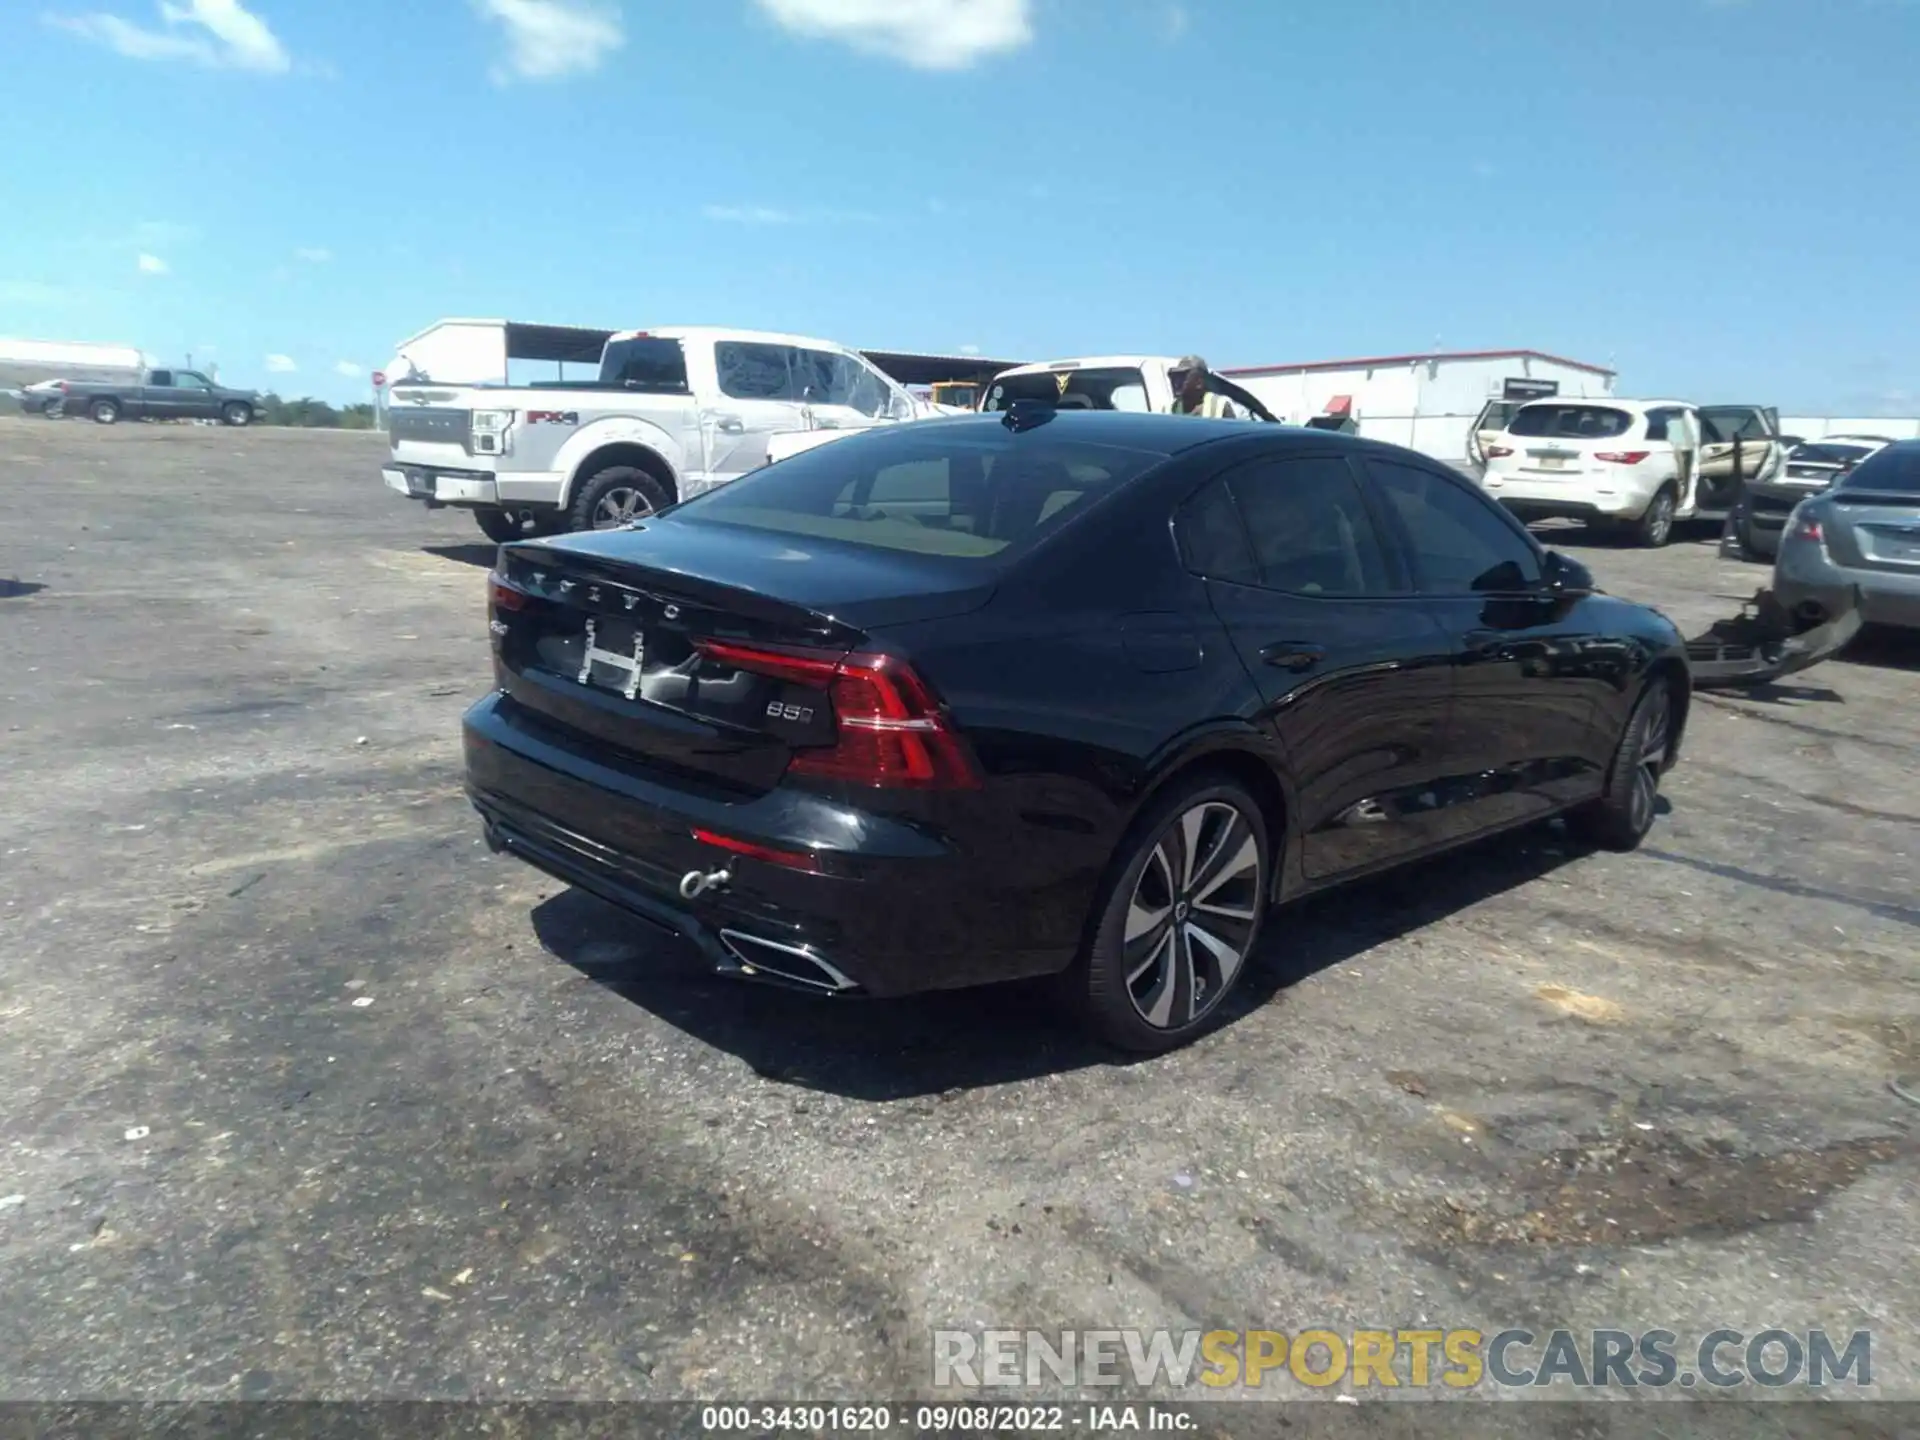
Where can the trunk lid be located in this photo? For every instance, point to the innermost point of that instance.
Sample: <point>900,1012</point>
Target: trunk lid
<point>1875,530</point>
<point>607,642</point>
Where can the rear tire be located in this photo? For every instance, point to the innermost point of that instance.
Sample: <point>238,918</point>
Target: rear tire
<point>616,496</point>
<point>1177,921</point>
<point>1654,528</point>
<point>236,412</point>
<point>498,525</point>
<point>105,412</point>
<point>1624,813</point>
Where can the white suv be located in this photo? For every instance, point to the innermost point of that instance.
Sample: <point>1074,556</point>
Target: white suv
<point>1633,465</point>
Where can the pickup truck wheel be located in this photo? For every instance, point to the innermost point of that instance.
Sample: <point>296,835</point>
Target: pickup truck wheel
<point>616,496</point>
<point>104,412</point>
<point>236,412</point>
<point>498,525</point>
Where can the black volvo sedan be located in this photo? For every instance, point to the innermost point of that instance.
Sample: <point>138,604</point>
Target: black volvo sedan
<point>1070,694</point>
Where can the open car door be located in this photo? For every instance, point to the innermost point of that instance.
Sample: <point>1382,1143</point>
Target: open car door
<point>1491,420</point>
<point>1739,444</point>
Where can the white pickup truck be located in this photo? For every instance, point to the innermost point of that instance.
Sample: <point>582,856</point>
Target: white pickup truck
<point>674,412</point>
<point>1110,382</point>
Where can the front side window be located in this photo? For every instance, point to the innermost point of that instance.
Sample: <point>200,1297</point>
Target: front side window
<point>753,371</point>
<point>1727,423</point>
<point>191,379</point>
<point>1546,420</point>
<point>1310,528</point>
<point>1461,543</point>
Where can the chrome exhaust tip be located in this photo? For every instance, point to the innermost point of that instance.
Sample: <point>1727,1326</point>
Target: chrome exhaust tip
<point>796,964</point>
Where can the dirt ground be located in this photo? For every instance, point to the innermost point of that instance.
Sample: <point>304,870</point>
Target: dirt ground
<point>305,1094</point>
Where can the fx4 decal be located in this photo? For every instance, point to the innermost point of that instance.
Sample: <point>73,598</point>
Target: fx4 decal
<point>553,417</point>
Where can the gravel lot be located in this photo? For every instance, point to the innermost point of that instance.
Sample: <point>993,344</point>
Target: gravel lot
<point>306,1094</point>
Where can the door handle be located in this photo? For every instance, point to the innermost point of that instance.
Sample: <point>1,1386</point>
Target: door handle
<point>1293,655</point>
<point>730,425</point>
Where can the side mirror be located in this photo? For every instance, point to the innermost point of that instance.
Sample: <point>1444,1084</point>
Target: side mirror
<point>1566,576</point>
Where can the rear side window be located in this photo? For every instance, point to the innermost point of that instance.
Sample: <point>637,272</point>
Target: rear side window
<point>1096,389</point>
<point>645,363</point>
<point>1570,422</point>
<point>1894,471</point>
<point>751,371</point>
<point>1311,532</point>
<point>1461,543</point>
<point>1213,541</point>
<point>161,377</point>
<point>967,494</point>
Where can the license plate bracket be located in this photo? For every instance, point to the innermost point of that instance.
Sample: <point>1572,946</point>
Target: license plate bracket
<point>419,484</point>
<point>614,645</point>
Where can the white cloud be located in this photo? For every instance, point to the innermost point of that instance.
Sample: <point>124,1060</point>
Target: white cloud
<point>547,39</point>
<point>151,264</point>
<point>222,34</point>
<point>348,369</point>
<point>748,214</point>
<point>927,34</point>
<point>281,364</point>
<point>313,254</point>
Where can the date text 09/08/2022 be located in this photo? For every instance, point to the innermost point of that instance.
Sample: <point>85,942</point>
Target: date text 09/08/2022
<point>964,1418</point>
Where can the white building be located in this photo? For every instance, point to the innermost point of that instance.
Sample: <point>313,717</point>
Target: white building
<point>1425,402</point>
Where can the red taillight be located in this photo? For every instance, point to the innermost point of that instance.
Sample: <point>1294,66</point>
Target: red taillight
<point>891,731</point>
<point>791,859</point>
<point>1808,529</point>
<point>1499,452</point>
<point>63,387</point>
<point>1622,457</point>
<point>503,596</point>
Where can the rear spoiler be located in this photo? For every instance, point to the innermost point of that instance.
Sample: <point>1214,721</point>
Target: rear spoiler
<point>1765,642</point>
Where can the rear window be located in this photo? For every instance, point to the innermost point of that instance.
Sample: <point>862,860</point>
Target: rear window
<point>1570,422</point>
<point>645,363</point>
<point>1894,471</point>
<point>973,493</point>
<point>1829,454</point>
<point>1116,388</point>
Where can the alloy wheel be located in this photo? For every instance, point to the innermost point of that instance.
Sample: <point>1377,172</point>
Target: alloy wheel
<point>1649,754</point>
<point>621,505</point>
<point>1192,915</point>
<point>1660,522</point>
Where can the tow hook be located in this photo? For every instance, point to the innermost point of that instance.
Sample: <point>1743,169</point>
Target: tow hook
<point>696,883</point>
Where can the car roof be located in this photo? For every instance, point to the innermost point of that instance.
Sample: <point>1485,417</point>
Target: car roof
<point>1169,434</point>
<point>1610,400</point>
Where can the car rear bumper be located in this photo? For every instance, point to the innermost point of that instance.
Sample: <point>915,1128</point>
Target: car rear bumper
<point>1806,578</point>
<point>1613,494</point>
<point>890,911</point>
<point>440,487</point>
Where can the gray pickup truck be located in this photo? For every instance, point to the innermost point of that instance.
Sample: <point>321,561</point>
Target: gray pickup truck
<point>161,395</point>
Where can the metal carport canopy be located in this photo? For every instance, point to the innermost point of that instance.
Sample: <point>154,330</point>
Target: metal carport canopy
<point>914,368</point>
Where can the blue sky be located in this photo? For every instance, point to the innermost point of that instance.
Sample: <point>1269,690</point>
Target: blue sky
<point>1716,196</point>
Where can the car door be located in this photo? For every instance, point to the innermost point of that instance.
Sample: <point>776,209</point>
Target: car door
<point>1530,665</point>
<point>1740,444</point>
<point>158,399</point>
<point>1491,420</point>
<point>755,396</point>
<point>194,395</point>
<point>1353,671</point>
